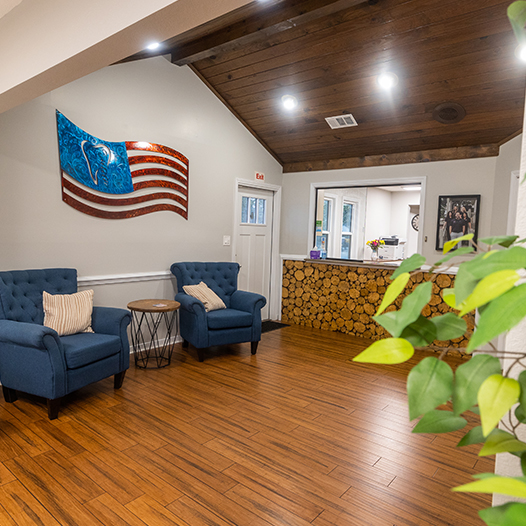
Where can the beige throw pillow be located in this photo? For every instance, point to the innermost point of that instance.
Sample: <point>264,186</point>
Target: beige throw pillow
<point>207,296</point>
<point>68,313</point>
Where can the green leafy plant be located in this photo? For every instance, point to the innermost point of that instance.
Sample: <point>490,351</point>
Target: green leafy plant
<point>488,282</point>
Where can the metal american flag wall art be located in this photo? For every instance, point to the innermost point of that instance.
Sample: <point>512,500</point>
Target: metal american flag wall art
<point>118,180</point>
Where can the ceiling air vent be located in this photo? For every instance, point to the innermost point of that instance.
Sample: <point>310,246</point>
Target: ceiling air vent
<point>341,121</point>
<point>449,113</point>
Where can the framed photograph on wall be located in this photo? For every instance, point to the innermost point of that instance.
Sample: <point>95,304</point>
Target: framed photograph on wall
<point>457,215</point>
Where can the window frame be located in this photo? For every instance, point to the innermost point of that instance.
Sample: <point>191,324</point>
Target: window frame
<point>327,186</point>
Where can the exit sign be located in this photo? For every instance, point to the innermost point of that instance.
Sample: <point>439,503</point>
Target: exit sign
<point>260,176</point>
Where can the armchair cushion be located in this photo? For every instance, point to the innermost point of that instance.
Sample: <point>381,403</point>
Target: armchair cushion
<point>207,296</point>
<point>68,313</point>
<point>82,349</point>
<point>229,319</point>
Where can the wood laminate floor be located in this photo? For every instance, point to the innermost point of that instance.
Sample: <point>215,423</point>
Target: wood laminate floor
<point>296,435</point>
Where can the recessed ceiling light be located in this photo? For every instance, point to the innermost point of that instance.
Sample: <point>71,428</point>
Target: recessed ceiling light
<point>387,80</point>
<point>289,102</point>
<point>520,52</point>
<point>153,46</point>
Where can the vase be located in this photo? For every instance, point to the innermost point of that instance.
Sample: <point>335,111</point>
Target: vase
<point>374,255</point>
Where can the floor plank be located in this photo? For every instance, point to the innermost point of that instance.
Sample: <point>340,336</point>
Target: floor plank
<point>297,434</point>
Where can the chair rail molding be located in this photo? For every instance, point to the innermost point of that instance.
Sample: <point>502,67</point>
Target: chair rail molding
<point>113,279</point>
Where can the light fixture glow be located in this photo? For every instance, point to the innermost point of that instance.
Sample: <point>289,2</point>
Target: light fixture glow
<point>387,80</point>
<point>289,102</point>
<point>520,52</point>
<point>153,46</point>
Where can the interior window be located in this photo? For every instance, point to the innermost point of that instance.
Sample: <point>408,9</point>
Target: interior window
<point>323,228</point>
<point>253,210</point>
<point>347,223</point>
<point>347,217</point>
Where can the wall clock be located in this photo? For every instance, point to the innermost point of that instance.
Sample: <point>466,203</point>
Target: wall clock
<point>414,222</point>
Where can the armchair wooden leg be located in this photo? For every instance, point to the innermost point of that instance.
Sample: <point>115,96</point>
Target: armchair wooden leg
<point>118,379</point>
<point>253,347</point>
<point>200,354</point>
<point>185,344</point>
<point>53,407</point>
<point>10,395</point>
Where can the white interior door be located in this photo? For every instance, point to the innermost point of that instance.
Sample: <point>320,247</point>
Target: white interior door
<point>254,241</point>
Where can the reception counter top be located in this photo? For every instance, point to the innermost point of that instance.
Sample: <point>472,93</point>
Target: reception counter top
<point>363,264</point>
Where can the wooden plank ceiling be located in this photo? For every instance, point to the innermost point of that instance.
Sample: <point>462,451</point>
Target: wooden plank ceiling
<point>328,54</point>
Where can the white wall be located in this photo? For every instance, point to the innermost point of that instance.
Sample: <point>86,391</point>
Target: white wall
<point>507,162</point>
<point>150,100</point>
<point>378,216</point>
<point>401,219</point>
<point>46,44</point>
<point>467,176</point>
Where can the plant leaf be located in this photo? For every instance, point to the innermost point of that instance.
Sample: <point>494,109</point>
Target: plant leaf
<point>449,326</point>
<point>517,17</point>
<point>515,487</point>
<point>420,333</point>
<point>500,441</point>
<point>429,384</point>
<point>496,397</point>
<point>522,382</point>
<point>389,351</point>
<point>436,421</point>
<point>473,436</point>
<point>393,291</point>
<point>510,514</point>
<point>448,245</point>
<point>523,464</point>
<point>408,265</point>
<point>471,272</point>
<point>395,322</point>
<point>520,415</point>
<point>503,241</point>
<point>448,295</point>
<point>499,316</point>
<point>469,377</point>
<point>490,288</point>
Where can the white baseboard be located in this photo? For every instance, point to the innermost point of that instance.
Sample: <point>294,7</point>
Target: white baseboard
<point>157,343</point>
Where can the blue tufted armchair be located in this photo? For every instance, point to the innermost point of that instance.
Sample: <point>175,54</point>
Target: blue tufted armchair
<point>239,322</point>
<point>35,360</point>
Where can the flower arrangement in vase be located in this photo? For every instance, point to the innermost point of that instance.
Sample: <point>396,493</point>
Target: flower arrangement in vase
<point>374,244</point>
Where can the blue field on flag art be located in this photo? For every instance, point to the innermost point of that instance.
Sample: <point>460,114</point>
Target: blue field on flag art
<point>97,164</point>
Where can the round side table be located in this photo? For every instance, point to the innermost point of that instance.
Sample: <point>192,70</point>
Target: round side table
<point>147,317</point>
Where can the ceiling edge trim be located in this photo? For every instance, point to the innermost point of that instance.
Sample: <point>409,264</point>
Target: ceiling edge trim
<point>425,156</point>
<point>510,137</point>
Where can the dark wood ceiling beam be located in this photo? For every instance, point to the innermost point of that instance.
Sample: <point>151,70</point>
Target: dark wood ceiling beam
<point>282,17</point>
<point>444,154</point>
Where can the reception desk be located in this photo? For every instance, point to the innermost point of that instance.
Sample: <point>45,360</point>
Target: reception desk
<point>344,296</point>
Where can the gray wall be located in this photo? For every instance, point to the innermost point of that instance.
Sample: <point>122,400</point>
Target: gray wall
<point>487,177</point>
<point>150,100</point>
